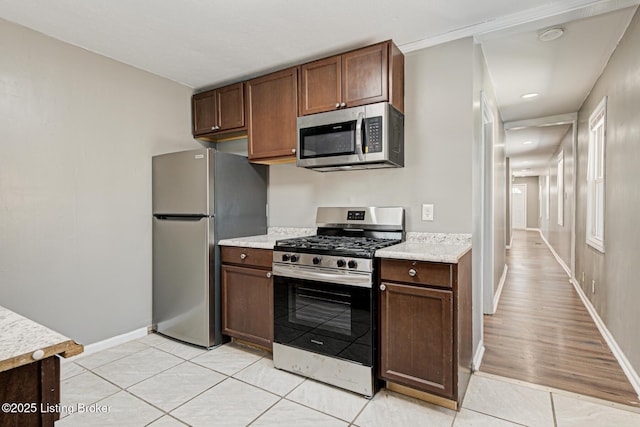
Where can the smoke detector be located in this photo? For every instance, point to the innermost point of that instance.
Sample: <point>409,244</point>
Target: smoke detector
<point>551,34</point>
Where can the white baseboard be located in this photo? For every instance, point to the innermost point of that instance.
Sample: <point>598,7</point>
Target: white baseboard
<point>108,343</point>
<point>532,229</point>
<point>631,374</point>
<point>564,266</point>
<point>496,297</point>
<point>477,357</point>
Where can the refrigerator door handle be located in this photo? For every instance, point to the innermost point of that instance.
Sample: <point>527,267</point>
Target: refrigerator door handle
<point>182,217</point>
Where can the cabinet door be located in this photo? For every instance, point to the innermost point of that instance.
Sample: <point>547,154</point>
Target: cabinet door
<point>273,108</point>
<point>320,87</point>
<point>38,384</point>
<point>204,112</point>
<point>230,106</point>
<point>365,75</point>
<point>416,337</point>
<point>247,304</point>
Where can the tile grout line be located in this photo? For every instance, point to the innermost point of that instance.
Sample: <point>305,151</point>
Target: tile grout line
<point>491,416</point>
<point>560,392</point>
<point>553,410</point>
<point>114,360</point>
<point>164,412</point>
<point>285,397</point>
<point>192,398</point>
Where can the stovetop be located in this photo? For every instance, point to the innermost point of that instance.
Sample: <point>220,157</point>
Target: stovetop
<point>363,247</point>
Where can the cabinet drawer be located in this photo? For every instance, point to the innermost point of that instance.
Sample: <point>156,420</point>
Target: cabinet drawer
<point>247,256</point>
<point>417,272</point>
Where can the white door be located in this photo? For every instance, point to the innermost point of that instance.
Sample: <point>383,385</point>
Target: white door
<point>519,206</point>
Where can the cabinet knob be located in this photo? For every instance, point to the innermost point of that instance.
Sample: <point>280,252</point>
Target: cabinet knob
<point>293,151</point>
<point>412,272</point>
<point>269,275</point>
<point>383,287</point>
<point>243,256</point>
<point>343,104</point>
<point>337,105</point>
<point>213,128</point>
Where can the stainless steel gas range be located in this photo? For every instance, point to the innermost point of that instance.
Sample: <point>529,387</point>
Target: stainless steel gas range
<point>325,307</point>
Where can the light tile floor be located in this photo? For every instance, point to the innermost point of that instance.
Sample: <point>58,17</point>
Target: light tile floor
<point>158,382</point>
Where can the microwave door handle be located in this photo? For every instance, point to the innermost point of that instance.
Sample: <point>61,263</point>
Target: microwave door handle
<point>359,123</point>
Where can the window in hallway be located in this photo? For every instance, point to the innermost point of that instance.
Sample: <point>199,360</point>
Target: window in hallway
<point>596,176</point>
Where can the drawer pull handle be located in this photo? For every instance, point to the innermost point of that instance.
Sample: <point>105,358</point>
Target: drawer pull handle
<point>383,287</point>
<point>269,275</point>
<point>243,256</point>
<point>412,272</point>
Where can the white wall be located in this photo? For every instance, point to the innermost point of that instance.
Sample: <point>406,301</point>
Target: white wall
<point>616,271</point>
<point>441,116</point>
<point>533,205</point>
<point>77,132</point>
<point>438,135</point>
<point>495,175</point>
<point>559,236</point>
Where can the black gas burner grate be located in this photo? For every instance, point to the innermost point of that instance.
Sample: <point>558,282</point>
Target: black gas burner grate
<point>335,245</point>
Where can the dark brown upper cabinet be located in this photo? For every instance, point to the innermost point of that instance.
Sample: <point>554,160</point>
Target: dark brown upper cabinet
<point>272,111</point>
<point>363,76</point>
<point>218,112</point>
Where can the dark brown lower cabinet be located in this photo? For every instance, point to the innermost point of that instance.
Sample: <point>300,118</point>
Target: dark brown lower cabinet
<point>30,394</point>
<point>417,337</point>
<point>425,328</point>
<point>247,300</point>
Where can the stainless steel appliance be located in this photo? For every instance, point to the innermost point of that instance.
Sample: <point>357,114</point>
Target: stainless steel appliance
<point>325,308</point>
<point>366,137</point>
<point>199,197</point>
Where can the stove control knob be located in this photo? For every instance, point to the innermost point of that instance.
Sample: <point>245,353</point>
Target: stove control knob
<point>352,264</point>
<point>341,263</point>
<point>317,259</point>
<point>294,258</point>
<point>285,257</point>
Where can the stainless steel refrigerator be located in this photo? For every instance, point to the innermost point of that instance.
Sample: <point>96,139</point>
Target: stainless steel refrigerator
<point>199,197</point>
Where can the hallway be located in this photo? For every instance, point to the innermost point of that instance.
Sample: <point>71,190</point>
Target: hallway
<point>541,332</point>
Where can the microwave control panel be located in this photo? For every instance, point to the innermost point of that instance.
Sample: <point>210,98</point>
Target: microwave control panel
<point>373,133</point>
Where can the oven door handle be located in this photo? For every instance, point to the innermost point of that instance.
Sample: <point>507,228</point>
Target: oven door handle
<point>353,279</point>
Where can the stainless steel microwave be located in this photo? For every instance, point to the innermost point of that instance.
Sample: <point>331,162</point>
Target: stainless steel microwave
<point>366,137</point>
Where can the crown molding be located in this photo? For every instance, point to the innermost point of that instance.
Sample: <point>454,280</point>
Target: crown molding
<point>552,14</point>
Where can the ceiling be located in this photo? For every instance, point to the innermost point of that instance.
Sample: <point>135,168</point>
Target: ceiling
<point>561,71</point>
<point>204,44</point>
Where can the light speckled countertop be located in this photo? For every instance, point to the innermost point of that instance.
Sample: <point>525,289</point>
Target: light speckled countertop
<point>21,338</point>
<point>268,241</point>
<point>434,247</point>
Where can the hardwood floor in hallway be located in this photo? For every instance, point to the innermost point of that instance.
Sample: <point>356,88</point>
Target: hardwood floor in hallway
<point>541,332</point>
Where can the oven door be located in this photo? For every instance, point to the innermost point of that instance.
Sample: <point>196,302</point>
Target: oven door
<point>326,318</point>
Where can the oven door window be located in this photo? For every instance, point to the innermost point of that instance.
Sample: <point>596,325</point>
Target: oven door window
<point>337,139</point>
<point>330,319</point>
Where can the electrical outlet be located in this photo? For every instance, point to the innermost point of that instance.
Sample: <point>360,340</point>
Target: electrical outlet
<point>593,286</point>
<point>427,212</point>
<point>583,277</point>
